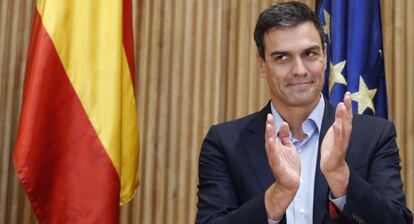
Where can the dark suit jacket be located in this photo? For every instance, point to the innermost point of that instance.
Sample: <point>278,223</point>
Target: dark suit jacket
<point>234,173</point>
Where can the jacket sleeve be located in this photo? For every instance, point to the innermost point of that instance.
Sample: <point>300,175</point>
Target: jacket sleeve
<point>217,196</point>
<point>378,197</point>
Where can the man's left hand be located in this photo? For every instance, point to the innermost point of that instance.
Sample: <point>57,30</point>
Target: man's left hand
<point>334,147</point>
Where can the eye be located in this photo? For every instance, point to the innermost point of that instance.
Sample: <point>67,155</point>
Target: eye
<point>280,57</point>
<point>310,53</point>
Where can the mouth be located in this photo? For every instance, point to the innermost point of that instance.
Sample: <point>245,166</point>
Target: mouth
<point>299,84</point>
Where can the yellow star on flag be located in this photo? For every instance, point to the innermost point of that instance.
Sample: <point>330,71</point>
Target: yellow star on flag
<point>335,75</point>
<point>364,97</point>
<point>327,26</point>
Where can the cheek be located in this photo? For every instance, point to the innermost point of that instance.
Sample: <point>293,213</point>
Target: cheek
<point>317,68</point>
<point>276,83</point>
<point>280,71</point>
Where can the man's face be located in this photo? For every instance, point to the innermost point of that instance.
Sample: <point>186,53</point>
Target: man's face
<point>294,65</point>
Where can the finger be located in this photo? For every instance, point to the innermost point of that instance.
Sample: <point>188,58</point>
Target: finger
<point>271,121</point>
<point>337,149</point>
<point>267,143</point>
<point>278,149</point>
<point>284,134</point>
<point>270,132</point>
<point>340,129</point>
<point>272,153</point>
<point>345,112</point>
<point>340,117</point>
<point>337,129</point>
<point>348,104</point>
<point>340,112</point>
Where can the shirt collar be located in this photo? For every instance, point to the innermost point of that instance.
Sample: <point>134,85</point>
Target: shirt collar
<point>312,122</point>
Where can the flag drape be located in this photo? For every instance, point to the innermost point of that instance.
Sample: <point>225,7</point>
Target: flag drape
<point>77,148</point>
<point>355,54</point>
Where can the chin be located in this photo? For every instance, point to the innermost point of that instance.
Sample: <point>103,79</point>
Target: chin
<point>304,100</point>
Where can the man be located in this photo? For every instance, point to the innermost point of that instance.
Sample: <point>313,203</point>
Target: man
<point>299,160</point>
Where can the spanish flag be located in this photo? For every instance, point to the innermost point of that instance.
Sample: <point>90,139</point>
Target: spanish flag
<point>77,149</point>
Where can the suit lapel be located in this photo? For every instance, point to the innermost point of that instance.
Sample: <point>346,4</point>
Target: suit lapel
<point>253,138</point>
<point>320,198</point>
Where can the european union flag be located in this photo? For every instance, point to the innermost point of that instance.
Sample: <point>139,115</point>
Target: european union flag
<point>355,54</point>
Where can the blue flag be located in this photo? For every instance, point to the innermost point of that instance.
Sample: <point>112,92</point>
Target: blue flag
<point>355,54</point>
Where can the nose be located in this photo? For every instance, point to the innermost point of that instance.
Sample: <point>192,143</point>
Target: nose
<point>299,68</point>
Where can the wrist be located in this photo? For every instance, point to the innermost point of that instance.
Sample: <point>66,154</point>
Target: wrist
<point>338,180</point>
<point>277,200</point>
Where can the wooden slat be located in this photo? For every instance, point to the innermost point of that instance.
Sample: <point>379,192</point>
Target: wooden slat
<point>15,26</point>
<point>408,166</point>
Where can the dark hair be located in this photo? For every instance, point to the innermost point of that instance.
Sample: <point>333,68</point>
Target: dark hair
<point>284,15</point>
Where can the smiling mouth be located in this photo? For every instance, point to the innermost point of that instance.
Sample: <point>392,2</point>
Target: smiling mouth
<point>299,84</point>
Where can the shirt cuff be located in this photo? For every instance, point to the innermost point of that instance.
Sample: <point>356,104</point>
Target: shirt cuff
<point>271,221</point>
<point>338,202</point>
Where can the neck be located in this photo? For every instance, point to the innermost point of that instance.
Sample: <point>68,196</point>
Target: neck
<point>294,116</point>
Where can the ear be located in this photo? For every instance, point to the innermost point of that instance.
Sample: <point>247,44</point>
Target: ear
<point>262,65</point>
<point>325,56</point>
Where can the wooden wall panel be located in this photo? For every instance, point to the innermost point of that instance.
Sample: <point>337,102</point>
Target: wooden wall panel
<point>397,17</point>
<point>179,47</point>
<point>196,66</point>
<point>409,113</point>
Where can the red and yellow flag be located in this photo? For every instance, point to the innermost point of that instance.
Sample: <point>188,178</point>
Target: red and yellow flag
<point>77,148</point>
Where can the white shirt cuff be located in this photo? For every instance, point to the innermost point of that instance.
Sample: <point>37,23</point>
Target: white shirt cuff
<point>271,221</point>
<point>338,202</point>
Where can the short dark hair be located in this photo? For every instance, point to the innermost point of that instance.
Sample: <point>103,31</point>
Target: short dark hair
<point>284,15</point>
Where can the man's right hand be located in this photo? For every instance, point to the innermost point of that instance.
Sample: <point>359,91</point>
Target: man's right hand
<point>285,164</point>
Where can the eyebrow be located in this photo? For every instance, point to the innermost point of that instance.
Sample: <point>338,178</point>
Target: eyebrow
<point>315,47</point>
<point>276,52</point>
